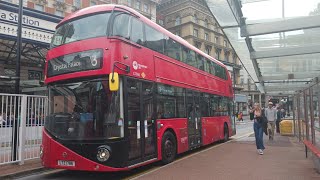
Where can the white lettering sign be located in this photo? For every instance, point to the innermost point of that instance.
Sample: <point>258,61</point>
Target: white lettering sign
<point>65,66</point>
<point>33,28</point>
<point>27,33</point>
<point>27,20</point>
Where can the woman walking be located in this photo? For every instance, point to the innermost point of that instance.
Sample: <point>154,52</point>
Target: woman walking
<point>258,128</point>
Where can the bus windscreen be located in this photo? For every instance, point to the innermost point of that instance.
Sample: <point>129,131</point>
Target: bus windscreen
<point>80,29</point>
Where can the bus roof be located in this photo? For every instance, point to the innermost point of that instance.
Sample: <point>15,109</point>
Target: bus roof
<point>110,7</point>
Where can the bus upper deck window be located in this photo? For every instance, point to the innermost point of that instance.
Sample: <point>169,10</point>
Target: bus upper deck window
<point>121,25</point>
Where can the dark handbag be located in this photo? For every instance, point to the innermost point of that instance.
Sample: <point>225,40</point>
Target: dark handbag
<point>265,125</point>
<point>259,119</point>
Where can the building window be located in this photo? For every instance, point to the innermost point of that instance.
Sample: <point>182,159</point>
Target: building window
<point>195,32</point>
<point>206,36</point>
<point>93,3</point>
<point>242,81</point>
<point>138,4</point>
<point>225,44</point>
<point>218,52</point>
<point>226,56</point>
<point>77,3</point>
<point>39,7</point>
<point>216,40</point>
<point>206,23</point>
<point>34,75</point>
<point>234,59</point>
<point>178,21</point>
<point>146,8</point>
<point>129,2</point>
<point>160,22</point>
<point>208,49</point>
<point>197,45</point>
<point>195,19</point>
<point>59,13</point>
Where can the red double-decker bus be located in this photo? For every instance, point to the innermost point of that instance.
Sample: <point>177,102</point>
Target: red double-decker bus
<point>125,92</point>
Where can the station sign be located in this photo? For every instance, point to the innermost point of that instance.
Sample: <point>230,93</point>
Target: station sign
<point>33,28</point>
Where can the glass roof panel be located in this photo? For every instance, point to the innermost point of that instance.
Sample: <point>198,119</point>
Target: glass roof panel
<point>222,12</point>
<point>260,10</point>
<point>241,49</point>
<point>290,64</point>
<point>305,37</point>
<point>295,71</point>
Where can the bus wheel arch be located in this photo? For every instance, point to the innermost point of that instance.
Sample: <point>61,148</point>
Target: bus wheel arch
<point>225,132</point>
<point>168,146</point>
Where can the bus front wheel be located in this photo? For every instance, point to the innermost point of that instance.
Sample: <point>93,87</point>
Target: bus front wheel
<point>168,147</point>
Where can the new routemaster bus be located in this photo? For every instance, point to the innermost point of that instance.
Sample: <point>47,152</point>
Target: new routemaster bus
<point>125,92</point>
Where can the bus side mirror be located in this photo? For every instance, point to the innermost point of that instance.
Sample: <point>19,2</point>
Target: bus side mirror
<point>114,81</point>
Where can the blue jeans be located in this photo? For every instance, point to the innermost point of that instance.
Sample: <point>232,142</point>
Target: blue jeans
<point>258,132</point>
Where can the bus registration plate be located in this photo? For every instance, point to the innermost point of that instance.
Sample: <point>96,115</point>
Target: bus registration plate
<point>66,163</point>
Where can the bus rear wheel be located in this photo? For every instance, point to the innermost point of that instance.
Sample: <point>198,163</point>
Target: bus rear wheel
<point>225,133</point>
<point>168,147</point>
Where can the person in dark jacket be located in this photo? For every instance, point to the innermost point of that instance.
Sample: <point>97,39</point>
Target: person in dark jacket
<point>251,113</point>
<point>278,120</point>
<point>264,122</point>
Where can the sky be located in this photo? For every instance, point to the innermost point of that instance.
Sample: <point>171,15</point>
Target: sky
<point>270,9</point>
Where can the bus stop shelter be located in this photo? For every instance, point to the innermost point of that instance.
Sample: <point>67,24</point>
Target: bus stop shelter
<point>278,42</point>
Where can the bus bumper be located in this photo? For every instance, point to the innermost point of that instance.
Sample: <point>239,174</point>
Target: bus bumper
<point>54,155</point>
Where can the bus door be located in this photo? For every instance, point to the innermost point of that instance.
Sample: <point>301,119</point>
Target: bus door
<point>194,119</point>
<point>141,123</point>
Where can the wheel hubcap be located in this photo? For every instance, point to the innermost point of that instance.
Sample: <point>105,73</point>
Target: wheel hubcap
<point>168,148</point>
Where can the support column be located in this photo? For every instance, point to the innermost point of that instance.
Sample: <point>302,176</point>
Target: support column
<point>17,84</point>
<point>299,116</point>
<point>312,116</point>
<point>294,107</point>
<point>318,86</point>
<point>260,100</point>
<point>306,118</point>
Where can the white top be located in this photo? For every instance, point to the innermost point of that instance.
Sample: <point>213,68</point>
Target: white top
<point>271,114</point>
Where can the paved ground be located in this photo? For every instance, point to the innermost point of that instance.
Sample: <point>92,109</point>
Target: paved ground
<point>237,159</point>
<point>283,159</point>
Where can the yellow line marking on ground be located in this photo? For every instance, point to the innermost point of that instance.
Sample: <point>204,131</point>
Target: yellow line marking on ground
<point>136,176</point>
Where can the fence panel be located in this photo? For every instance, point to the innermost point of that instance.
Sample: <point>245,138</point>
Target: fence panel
<point>27,112</point>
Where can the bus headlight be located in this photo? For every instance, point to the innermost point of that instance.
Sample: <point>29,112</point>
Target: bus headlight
<point>103,153</point>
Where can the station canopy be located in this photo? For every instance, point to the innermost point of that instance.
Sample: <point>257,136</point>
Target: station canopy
<point>277,41</point>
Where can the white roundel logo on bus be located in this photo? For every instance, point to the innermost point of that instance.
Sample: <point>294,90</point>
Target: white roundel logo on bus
<point>135,65</point>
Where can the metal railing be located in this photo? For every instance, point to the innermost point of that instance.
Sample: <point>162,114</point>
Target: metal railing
<point>307,111</point>
<point>21,123</point>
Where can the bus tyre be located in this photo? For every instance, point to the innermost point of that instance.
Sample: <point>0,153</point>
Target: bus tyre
<point>168,147</point>
<point>225,133</point>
